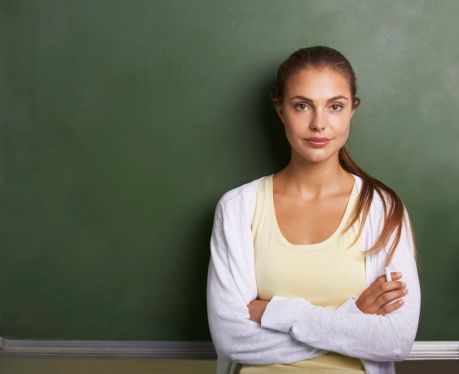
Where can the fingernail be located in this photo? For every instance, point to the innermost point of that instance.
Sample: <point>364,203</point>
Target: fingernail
<point>403,285</point>
<point>405,291</point>
<point>400,301</point>
<point>398,274</point>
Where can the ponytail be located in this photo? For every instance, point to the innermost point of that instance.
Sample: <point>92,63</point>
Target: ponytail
<point>394,210</point>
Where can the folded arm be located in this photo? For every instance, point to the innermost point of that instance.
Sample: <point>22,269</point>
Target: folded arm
<point>293,329</point>
<point>235,336</point>
<point>348,330</point>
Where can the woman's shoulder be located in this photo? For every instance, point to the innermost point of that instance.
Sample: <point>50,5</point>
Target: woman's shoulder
<point>246,192</point>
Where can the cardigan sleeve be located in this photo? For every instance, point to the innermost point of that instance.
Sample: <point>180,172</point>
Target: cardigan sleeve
<point>348,330</point>
<point>234,335</point>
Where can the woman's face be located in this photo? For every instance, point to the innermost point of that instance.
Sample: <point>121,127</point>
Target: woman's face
<point>316,111</point>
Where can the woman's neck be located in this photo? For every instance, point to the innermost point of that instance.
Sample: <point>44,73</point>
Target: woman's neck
<point>313,180</point>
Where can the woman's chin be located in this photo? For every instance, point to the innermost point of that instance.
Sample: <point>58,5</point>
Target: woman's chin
<point>318,156</point>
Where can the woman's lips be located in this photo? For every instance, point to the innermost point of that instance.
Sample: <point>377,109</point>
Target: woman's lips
<point>318,142</point>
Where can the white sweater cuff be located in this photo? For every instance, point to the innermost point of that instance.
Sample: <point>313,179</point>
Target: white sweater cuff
<point>349,306</point>
<point>279,313</point>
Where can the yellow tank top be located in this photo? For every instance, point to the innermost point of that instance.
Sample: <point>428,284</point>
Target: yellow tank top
<point>325,274</point>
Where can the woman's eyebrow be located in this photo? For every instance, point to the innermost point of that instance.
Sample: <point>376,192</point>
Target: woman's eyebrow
<point>338,98</point>
<point>303,98</point>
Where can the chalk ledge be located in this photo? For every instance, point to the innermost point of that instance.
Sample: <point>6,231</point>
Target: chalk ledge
<point>167,350</point>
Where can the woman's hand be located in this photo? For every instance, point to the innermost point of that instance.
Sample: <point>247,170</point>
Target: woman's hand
<point>256,309</point>
<point>375,298</point>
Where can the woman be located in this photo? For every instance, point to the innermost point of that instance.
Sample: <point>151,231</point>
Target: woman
<point>296,278</point>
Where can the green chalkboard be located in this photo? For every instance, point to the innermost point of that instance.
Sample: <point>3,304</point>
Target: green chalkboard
<point>123,122</point>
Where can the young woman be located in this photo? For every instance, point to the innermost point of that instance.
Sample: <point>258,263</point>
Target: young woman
<point>296,279</point>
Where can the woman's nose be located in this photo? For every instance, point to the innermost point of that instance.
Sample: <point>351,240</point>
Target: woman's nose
<point>317,121</point>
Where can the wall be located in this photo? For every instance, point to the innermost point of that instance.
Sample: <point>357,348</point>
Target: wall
<point>124,122</point>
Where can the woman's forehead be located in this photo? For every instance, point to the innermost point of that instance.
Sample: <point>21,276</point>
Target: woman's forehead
<point>318,82</point>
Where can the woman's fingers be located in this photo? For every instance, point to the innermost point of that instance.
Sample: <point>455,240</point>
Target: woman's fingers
<point>381,286</point>
<point>380,296</point>
<point>382,292</point>
<point>391,286</point>
<point>390,308</point>
<point>390,296</point>
<point>382,278</point>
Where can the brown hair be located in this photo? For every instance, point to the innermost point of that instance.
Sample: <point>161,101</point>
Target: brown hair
<point>394,210</point>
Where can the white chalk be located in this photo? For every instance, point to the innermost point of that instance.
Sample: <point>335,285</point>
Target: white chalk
<point>388,276</point>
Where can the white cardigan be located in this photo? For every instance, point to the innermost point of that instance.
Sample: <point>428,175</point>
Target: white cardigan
<point>292,329</point>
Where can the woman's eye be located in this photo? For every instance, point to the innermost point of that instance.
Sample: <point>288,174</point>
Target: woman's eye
<point>301,106</point>
<point>336,107</point>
